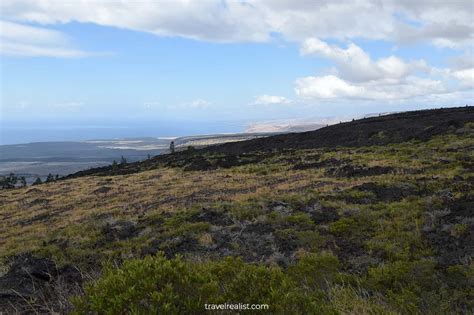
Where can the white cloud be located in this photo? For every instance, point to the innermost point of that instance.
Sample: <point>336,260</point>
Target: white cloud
<point>357,76</point>
<point>312,23</point>
<point>23,40</point>
<point>446,23</point>
<point>464,61</point>
<point>329,86</point>
<point>270,100</point>
<point>33,35</point>
<point>354,64</point>
<point>204,20</point>
<point>465,76</point>
<point>198,103</point>
<point>16,49</point>
<point>333,87</point>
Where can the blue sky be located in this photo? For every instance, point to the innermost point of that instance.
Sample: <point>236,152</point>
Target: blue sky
<point>230,61</point>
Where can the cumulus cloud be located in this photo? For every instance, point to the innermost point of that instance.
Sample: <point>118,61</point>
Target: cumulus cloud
<point>446,23</point>
<point>270,100</point>
<point>203,20</point>
<point>329,86</point>
<point>465,76</point>
<point>464,61</point>
<point>311,23</point>
<point>357,76</point>
<point>24,40</point>
<point>332,87</point>
<point>355,64</point>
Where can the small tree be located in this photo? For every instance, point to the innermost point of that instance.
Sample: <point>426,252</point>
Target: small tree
<point>13,180</point>
<point>23,181</point>
<point>50,178</point>
<point>172,147</point>
<point>9,181</point>
<point>123,160</point>
<point>38,181</point>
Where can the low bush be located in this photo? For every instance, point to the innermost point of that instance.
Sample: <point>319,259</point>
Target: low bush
<point>156,285</point>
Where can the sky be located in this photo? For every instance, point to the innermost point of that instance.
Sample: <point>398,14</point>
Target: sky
<point>212,63</point>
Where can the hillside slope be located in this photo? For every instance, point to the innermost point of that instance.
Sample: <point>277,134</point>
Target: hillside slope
<point>321,222</point>
<point>394,128</point>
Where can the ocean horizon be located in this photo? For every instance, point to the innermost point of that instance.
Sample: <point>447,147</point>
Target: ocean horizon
<point>21,133</point>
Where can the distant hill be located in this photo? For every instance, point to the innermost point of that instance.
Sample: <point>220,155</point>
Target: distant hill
<point>380,130</point>
<point>285,126</point>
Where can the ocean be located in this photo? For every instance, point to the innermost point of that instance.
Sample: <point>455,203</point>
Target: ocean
<point>26,132</point>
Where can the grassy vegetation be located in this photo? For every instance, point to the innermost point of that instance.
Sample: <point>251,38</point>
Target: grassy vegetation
<point>366,230</point>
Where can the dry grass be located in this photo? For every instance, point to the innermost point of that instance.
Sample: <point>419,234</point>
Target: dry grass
<point>28,215</point>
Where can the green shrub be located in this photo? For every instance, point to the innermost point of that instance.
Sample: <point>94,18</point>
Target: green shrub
<point>310,240</point>
<point>245,210</point>
<point>348,300</point>
<point>409,285</point>
<point>401,274</point>
<point>343,226</point>
<point>302,220</point>
<point>155,285</point>
<point>315,271</point>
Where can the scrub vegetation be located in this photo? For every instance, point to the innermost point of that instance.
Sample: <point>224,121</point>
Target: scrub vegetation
<point>370,228</point>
